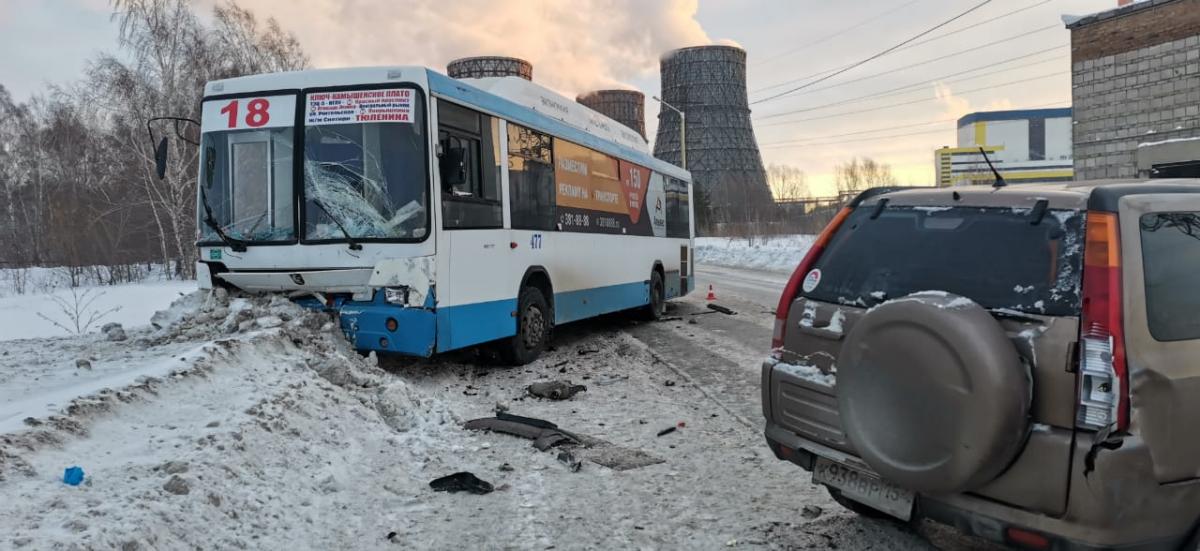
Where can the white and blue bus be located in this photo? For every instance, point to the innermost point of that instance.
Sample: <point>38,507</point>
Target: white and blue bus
<point>433,214</point>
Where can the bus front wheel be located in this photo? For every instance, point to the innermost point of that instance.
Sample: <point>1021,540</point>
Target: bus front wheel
<point>533,328</point>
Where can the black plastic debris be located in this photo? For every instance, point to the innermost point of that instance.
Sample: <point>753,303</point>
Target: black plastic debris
<point>721,309</point>
<point>461,482</point>
<point>668,382</point>
<point>544,434</point>
<point>666,431</point>
<point>567,458</point>
<point>554,390</point>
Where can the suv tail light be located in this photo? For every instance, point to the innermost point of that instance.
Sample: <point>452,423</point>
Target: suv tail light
<point>793,285</point>
<point>1103,375</point>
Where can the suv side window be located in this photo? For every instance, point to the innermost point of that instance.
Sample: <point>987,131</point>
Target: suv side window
<point>469,168</point>
<point>1171,262</point>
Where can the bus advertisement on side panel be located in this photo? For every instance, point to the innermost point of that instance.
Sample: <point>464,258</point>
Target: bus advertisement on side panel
<point>596,193</point>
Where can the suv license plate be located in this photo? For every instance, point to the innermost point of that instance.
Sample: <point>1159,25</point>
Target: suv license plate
<point>865,488</point>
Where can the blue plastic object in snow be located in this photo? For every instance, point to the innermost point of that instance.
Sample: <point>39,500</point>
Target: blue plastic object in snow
<point>73,476</point>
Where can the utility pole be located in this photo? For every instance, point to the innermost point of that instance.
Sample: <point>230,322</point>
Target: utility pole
<point>682,131</point>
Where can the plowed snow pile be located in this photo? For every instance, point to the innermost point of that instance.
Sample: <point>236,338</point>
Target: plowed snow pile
<point>251,424</point>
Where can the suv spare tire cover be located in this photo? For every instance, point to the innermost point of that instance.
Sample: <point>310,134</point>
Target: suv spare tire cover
<point>932,393</point>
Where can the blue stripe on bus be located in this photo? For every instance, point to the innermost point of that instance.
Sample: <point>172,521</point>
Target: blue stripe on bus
<point>585,303</point>
<point>470,324</point>
<point>455,327</point>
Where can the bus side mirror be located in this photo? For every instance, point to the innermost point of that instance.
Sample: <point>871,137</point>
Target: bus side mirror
<point>160,158</point>
<point>453,165</point>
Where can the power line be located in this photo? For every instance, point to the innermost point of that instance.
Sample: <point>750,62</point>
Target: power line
<point>976,25</point>
<point>913,45</point>
<point>931,60</point>
<point>923,100</point>
<point>912,87</point>
<point>806,142</point>
<point>837,33</point>
<point>803,141</point>
<point>874,138</point>
<point>878,55</point>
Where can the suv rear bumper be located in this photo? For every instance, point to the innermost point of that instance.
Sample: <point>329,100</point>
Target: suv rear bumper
<point>966,513</point>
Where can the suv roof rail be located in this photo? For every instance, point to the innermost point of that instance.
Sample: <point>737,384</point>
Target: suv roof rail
<point>1106,197</point>
<point>876,191</point>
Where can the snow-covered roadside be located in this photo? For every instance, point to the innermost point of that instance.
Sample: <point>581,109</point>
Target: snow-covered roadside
<point>277,435</point>
<point>136,302</point>
<point>780,253</point>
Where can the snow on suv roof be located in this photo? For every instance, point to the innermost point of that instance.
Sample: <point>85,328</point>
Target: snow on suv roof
<point>1061,195</point>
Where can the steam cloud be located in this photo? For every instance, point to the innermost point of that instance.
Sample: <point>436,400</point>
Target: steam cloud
<point>574,46</point>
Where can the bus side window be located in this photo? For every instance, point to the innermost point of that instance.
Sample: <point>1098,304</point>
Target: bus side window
<point>469,168</point>
<point>531,179</point>
<point>678,213</point>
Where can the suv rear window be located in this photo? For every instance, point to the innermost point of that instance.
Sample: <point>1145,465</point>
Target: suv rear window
<point>997,257</point>
<point>1171,262</point>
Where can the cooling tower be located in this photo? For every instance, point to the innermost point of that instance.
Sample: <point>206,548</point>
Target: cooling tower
<point>708,83</point>
<point>627,107</point>
<point>489,66</point>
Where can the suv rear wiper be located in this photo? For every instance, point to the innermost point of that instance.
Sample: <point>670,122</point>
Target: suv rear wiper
<point>235,245</point>
<point>354,246</point>
<point>1013,315</point>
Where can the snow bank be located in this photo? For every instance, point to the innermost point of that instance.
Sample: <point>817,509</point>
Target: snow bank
<point>781,253</point>
<point>135,303</point>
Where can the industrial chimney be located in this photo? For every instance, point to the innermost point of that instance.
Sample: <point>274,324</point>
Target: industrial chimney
<point>489,66</point>
<point>708,83</point>
<point>627,107</point>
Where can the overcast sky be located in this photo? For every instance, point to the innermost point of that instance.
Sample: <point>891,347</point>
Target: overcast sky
<point>586,44</point>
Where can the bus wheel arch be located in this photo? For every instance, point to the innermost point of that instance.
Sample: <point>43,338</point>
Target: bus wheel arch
<point>538,278</point>
<point>534,317</point>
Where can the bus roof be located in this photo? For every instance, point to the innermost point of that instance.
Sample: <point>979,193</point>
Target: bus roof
<point>462,91</point>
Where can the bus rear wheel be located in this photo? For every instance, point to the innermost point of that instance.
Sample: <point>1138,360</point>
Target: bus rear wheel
<point>533,329</point>
<point>657,308</point>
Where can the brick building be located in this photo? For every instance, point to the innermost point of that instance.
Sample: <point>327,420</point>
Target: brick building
<point>1135,82</point>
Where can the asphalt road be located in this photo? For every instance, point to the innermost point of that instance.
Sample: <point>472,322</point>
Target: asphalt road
<point>759,288</point>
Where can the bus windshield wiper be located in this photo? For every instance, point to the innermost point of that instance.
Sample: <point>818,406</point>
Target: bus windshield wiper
<point>236,245</point>
<point>354,246</point>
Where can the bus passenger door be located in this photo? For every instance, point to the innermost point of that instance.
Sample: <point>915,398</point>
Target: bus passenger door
<point>475,305</point>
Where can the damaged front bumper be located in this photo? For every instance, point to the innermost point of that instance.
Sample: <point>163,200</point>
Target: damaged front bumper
<point>382,326</point>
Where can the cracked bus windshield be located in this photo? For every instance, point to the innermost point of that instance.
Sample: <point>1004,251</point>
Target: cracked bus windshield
<point>246,178</point>
<point>367,180</point>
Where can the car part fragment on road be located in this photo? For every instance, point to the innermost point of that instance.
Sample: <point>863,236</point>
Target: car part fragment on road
<point>461,482</point>
<point>567,458</point>
<point>554,390</point>
<point>73,476</point>
<point>544,434</point>
<point>722,309</point>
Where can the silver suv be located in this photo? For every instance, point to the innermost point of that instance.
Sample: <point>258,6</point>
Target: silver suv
<point>1020,362</point>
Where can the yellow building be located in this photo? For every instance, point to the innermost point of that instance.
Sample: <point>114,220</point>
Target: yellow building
<point>1026,146</point>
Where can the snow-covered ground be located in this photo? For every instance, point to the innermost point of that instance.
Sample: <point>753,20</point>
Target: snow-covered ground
<point>249,423</point>
<point>779,253</point>
<point>134,303</point>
